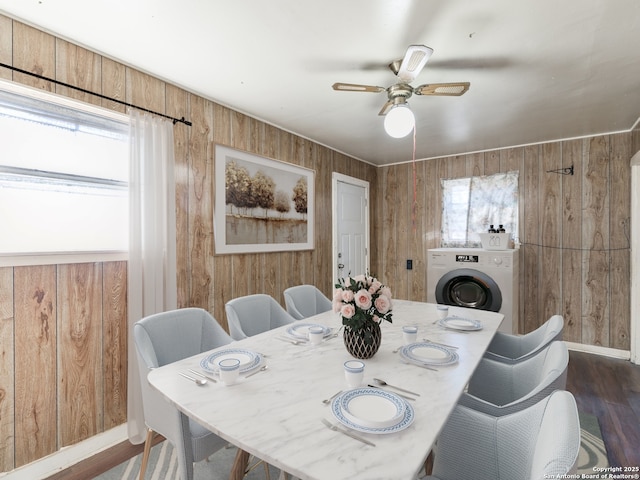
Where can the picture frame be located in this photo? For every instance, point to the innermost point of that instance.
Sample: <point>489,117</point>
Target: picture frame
<point>261,204</point>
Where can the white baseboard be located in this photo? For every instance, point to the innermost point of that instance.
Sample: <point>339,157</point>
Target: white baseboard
<point>606,351</point>
<point>68,456</point>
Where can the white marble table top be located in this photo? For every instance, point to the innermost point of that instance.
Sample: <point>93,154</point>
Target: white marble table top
<point>276,415</point>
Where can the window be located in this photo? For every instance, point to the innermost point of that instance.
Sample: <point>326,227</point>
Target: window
<point>64,174</point>
<point>471,205</point>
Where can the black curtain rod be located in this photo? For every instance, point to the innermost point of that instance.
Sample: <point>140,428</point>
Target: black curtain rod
<point>57,82</point>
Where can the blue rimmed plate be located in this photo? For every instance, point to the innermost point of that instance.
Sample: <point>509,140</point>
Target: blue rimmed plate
<point>461,323</point>
<point>426,353</point>
<point>301,330</point>
<point>355,409</point>
<point>249,360</point>
<point>373,407</point>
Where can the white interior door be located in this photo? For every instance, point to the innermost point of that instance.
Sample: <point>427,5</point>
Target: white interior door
<point>350,226</point>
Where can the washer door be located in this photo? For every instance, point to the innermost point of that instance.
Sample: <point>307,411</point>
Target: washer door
<point>469,288</point>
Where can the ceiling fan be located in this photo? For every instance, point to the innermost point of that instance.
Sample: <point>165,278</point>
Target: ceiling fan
<point>399,120</point>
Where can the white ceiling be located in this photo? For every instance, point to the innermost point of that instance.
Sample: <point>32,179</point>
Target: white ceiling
<point>539,70</point>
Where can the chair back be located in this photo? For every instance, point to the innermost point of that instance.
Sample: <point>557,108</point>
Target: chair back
<point>165,338</point>
<point>544,372</point>
<point>535,341</point>
<point>541,441</point>
<point>515,348</point>
<point>500,389</point>
<point>304,301</point>
<point>556,449</point>
<point>171,336</point>
<point>254,314</point>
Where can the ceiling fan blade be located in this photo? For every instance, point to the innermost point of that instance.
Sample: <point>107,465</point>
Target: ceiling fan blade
<point>352,87</point>
<point>445,89</point>
<point>385,108</point>
<point>413,62</point>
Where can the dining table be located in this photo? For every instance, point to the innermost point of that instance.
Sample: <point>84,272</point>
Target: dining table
<point>278,414</point>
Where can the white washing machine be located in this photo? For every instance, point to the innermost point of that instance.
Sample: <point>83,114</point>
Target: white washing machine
<point>475,278</point>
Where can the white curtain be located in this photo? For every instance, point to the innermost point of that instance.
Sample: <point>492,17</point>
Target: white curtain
<point>470,205</point>
<point>152,240</point>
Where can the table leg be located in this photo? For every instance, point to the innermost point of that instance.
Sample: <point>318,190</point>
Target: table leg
<point>428,464</point>
<point>239,465</point>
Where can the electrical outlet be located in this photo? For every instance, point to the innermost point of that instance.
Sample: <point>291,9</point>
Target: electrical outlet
<point>409,264</point>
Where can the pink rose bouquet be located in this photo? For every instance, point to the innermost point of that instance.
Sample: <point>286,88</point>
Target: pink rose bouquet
<point>362,300</point>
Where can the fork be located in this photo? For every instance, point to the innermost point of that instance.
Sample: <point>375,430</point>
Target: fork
<point>261,369</point>
<point>326,401</point>
<point>335,334</point>
<point>347,432</point>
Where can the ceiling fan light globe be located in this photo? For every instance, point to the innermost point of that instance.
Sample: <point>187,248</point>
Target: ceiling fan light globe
<point>399,122</point>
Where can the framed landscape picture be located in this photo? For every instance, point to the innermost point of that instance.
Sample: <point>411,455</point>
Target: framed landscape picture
<point>261,205</point>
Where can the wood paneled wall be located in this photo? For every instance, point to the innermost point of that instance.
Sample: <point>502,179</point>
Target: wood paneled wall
<point>574,230</point>
<point>63,330</point>
<point>63,327</point>
<point>63,341</point>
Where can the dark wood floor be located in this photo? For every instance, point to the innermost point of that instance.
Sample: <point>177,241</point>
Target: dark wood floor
<point>604,387</point>
<point>610,390</point>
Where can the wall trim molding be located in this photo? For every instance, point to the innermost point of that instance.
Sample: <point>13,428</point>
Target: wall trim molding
<point>509,147</point>
<point>604,351</point>
<point>68,456</point>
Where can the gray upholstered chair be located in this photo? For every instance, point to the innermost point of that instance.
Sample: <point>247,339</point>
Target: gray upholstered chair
<point>508,348</point>
<point>161,339</point>
<point>500,389</point>
<point>541,441</point>
<point>305,301</point>
<point>253,314</point>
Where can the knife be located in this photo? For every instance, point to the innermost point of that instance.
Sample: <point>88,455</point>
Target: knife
<point>347,433</point>
<point>382,383</point>
<point>203,375</point>
<point>420,365</point>
<point>399,394</point>
<point>291,341</point>
<point>441,344</point>
<point>457,330</point>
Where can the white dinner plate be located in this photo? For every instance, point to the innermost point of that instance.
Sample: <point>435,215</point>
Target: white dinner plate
<point>372,407</point>
<point>461,323</point>
<point>300,331</point>
<point>338,412</point>
<point>426,353</point>
<point>249,360</point>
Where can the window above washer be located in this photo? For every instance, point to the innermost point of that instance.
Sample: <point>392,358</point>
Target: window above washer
<point>470,205</point>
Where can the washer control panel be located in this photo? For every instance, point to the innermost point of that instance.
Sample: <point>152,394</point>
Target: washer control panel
<point>501,260</point>
<point>447,258</point>
<point>467,258</point>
